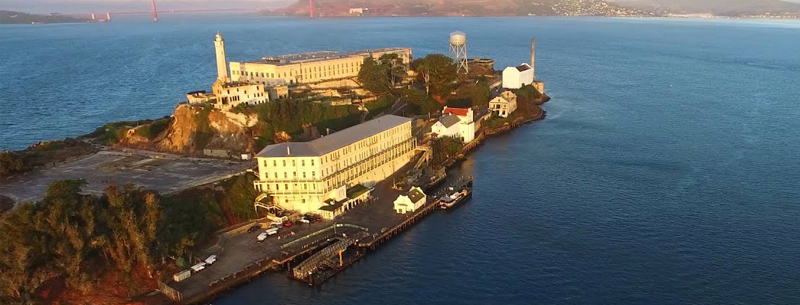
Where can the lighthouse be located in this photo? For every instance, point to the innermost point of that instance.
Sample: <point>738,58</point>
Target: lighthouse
<point>222,65</point>
<point>533,56</point>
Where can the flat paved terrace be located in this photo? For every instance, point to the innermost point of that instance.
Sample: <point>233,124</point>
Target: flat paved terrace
<point>160,172</point>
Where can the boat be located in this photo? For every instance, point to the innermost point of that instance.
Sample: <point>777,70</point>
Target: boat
<point>454,196</point>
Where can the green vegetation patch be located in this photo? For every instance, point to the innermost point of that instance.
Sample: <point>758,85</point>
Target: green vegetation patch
<point>290,116</point>
<point>381,104</point>
<point>445,148</point>
<point>112,133</point>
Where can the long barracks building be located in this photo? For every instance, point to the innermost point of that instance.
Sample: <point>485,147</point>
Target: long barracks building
<point>302,176</point>
<point>309,67</point>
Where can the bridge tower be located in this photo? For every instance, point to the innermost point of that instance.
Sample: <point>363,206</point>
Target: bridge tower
<point>153,10</point>
<point>311,8</point>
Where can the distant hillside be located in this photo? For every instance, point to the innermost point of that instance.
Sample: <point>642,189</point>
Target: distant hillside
<point>333,8</point>
<point>11,17</point>
<point>717,7</point>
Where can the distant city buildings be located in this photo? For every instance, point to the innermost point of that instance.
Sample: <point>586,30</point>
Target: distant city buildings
<point>315,176</point>
<point>358,11</point>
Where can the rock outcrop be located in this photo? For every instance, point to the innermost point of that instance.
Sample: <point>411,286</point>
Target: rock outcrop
<point>194,129</point>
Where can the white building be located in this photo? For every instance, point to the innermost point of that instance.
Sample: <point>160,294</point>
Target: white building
<point>447,126</point>
<point>302,176</point>
<point>358,10</point>
<point>466,125</point>
<point>517,77</point>
<point>411,201</point>
<point>228,94</point>
<point>231,94</point>
<point>504,104</point>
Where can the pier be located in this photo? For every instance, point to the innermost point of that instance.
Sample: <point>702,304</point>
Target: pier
<point>314,254</point>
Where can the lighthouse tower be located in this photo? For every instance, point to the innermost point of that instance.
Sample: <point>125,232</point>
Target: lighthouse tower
<point>222,64</point>
<point>533,56</point>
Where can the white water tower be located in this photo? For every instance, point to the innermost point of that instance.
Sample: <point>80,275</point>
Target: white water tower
<point>458,50</point>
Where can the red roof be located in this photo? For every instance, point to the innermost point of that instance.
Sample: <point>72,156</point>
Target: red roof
<point>456,111</point>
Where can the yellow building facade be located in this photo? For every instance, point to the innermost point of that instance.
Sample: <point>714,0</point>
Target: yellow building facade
<point>311,67</point>
<point>229,95</point>
<point>302,176</point>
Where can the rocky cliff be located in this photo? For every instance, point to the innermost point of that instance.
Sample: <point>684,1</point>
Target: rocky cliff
<point>194,128</point>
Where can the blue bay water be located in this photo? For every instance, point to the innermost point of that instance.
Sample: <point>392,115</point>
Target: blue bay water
<point>666,171</point>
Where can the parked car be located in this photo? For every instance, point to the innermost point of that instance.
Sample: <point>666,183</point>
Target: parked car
<point>211,259</point>
<point>199,267</point>
<point>254,228</point>
<point>287,224</point>
<point>272,231</point>
<point>276,223</point>
<point>180,276</point>
<point>261,237</point>
<point>303,220</point>
<point>319,218</point>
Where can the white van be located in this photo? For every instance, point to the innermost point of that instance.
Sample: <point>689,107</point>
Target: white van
<point>199,267</point>
<point>211,259</point>
<point>272,231</point>
<point>261,237</point>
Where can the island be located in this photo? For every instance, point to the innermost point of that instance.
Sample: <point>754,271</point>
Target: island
<point>299,163</point>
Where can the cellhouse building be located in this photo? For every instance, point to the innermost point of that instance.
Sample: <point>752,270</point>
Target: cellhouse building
<point>303,68</point>
<point>306,176</point>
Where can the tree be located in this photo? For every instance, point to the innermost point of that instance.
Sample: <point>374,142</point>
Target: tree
<point>445,148</point>
<point>474,93</point>
<point>422,103</point>
<point>374,76</point>
<point>439,72</point>
<point>393,66</point>
<point>10,163</point>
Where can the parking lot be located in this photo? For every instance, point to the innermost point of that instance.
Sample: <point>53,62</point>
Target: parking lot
<point>164,173</point>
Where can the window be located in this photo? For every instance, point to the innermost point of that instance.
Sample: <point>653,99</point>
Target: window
<point>284,163</point>
<point>285,175</point>
<point>312,162</point>
<point>302,162</point>
<point>277,186</point>
<point>304,175</point>
<point>294,174</point>
<point>294,163</point>
<point>275,163</point>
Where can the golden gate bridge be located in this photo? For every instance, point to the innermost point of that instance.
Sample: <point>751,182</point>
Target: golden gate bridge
<point>154,12</point>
